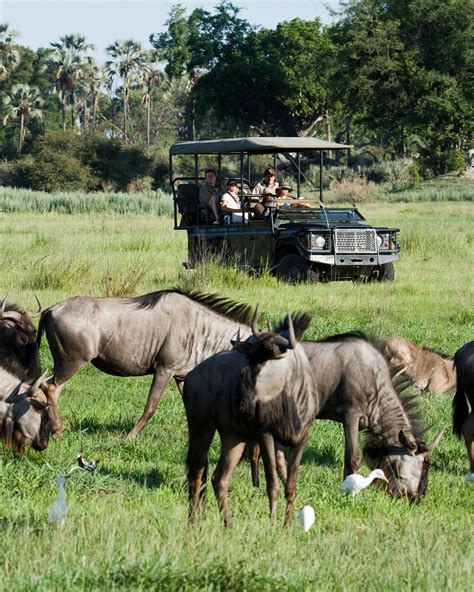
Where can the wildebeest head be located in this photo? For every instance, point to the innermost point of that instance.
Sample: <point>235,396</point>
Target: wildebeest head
<point>406,466</point>
<point>18,347</point>
<point>25,418</point>
<point>263,378</point>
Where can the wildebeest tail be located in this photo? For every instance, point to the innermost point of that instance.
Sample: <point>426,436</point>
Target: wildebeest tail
<point>460,409</point>
<point>41,325</point>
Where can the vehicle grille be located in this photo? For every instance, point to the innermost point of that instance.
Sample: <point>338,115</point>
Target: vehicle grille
<point>355,241</point>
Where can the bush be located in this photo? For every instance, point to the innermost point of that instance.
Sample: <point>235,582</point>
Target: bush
<point>356,191</point>
<point>58,171</point>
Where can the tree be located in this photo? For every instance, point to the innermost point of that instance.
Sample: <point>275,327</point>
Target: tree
<point>127,58</point>
<point>151,76</point>
<point>68,62</point>
<point>25,103</point>
<point>9,55</point>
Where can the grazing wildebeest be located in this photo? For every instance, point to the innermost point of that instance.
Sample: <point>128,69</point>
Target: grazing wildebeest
<point>165,333</point>
<point>259,391</point>
<point>463,421</point>
<point>423,367</point>
<point>355,388</point>
<point>24,417</point>
<point>18,346</point>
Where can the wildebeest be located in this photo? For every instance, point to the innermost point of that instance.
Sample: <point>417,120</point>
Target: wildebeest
<point>165,333</point>
<point>24,417</point>
<point>463,420</point>
<point>18,346</point>
<point>423,367</point>
<point>354,387</point>
<point>259,391</point>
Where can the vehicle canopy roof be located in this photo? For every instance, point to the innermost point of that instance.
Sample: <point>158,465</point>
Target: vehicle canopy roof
<point>254,145</point>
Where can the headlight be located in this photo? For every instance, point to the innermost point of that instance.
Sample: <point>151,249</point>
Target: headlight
<point>384,241</point>
<point>320,241</point>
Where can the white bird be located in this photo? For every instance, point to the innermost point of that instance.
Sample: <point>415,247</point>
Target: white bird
<point>57,514</point>
<point>353,484</point>
<point>469,478</point>
<point>307,517</point>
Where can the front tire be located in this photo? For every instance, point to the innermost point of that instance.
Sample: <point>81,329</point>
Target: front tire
<point>387,273</point>
<point>295,270</point>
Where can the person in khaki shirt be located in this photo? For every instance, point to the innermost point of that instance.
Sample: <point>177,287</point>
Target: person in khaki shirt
<point>208,192</point>
<point>268,182</point>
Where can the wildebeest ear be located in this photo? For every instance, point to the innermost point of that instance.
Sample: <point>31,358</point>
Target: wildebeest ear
<point>241,346</point>
<point>406,442</point>
<point>38,405</point>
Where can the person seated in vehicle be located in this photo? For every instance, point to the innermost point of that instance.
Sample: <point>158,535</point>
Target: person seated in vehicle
<point>230,204</point>
<point>208,192</point>
<point>268,182</point>
<point>262,210</point>
<point>285,200</point>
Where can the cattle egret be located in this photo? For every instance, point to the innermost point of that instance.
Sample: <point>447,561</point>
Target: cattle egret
<point>307,517</point>
<point>57,514</point>
<point>353,484</point>
<point>469,478</point>
<point>87,465</point>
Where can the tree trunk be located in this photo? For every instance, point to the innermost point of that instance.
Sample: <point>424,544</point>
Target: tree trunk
<point>63,109</point>
<point>148,124</point>
<point>22,132</point>
<point>125,99</point>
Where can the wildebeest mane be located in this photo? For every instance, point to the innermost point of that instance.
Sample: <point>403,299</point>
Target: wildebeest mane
<point>345,337</point>
<point>11,306</point>
<point>411,406</point>
<point>300,322</point>
<point>242,313</point>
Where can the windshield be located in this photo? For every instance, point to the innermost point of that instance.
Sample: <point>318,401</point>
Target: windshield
<point>319,215</point>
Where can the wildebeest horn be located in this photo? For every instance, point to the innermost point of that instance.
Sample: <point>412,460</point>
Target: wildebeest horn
<point>436,441</point>
<point>39,311</point>
<point>10,314</point>
<point>255,330</point>
<point>16,390</point>
<point>291,333</point>
<point>34,387</point>
<point>270,328</point>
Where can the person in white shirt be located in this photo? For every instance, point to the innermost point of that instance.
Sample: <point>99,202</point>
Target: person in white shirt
<point>230,204</point>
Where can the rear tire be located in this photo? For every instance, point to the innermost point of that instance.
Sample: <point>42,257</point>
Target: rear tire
<point>295,270</point>
<point>387,273</point>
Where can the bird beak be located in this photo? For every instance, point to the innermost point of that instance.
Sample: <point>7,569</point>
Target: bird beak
<point>386,480</point>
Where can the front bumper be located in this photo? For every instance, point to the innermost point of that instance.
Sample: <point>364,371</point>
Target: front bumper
<point>357,260</point>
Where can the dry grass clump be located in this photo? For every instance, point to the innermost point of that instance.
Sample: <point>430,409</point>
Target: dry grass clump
<point>348,191</point>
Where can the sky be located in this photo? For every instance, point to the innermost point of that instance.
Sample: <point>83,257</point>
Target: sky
<point>102,22</point>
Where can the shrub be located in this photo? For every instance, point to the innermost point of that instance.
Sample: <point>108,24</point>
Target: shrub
<point>57,171</point>
<point>356,191</point>
<point>139,184</point>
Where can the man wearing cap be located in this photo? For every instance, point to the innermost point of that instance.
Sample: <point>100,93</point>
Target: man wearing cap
<point>230,204</point>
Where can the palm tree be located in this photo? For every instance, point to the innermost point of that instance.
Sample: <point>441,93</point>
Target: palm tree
<point>150,78</point>
<point>9,56</point>
<point>68,63</point>
<point>127,58</point>
<point>24,102</point>
<point>88,92</point>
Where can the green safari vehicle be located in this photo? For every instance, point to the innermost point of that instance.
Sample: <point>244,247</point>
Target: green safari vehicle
<point>300,241</point>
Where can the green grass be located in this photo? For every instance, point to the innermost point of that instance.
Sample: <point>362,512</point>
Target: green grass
<point>127,523</point>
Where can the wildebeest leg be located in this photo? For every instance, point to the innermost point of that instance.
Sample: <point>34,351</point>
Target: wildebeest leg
<point>351,446</point>
<point>281,462</point>
<point>267,445</point>
<point>160,380</point>
<point>231,451</point>
<point>294,460</point>
<point>200,439</point>
<point>254,453</point>
<point>52,389</point>
<point>468,432</point>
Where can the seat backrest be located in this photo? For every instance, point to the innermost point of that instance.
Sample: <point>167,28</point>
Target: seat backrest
<point>186,200</point>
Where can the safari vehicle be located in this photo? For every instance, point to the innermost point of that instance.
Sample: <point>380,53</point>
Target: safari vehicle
<point>301,240</point>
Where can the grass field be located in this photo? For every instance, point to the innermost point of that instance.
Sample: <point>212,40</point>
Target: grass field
<point>127,522</point>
